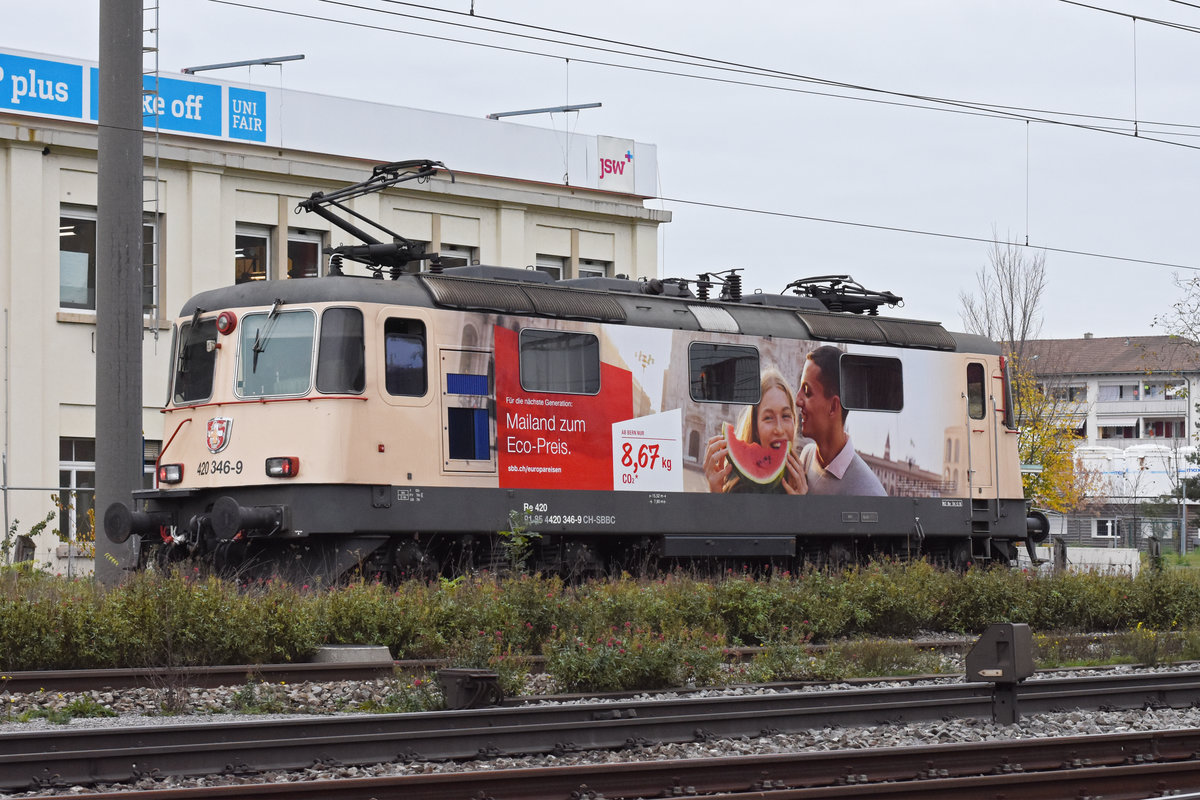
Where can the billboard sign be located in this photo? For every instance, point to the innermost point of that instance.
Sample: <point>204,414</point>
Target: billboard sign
<point>36,86</point>
<point>48,87</point>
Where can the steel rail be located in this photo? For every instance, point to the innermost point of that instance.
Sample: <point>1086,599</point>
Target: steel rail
<point>85,680</point>
<point>26,681</point>
<point>1128,765</point>
<point>93,755</point>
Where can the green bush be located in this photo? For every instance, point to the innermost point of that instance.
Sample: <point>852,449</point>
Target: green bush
<point>628,657</point>
<point>189,619</point>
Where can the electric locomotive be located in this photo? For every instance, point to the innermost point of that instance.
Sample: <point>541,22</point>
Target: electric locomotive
<point>419,423</point>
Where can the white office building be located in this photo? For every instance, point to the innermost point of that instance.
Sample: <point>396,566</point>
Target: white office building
<point>225,165</point>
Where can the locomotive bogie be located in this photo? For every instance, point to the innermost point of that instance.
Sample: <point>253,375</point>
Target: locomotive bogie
<point>418,425</point>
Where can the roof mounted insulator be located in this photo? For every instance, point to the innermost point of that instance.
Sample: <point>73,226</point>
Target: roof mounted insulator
<point>729,280</point>
<point>733,287</point>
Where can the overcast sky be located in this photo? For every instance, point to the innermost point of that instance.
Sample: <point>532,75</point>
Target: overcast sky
<point>803,157</point>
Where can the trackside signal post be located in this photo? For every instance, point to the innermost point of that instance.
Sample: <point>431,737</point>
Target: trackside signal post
<point>1003,656</point>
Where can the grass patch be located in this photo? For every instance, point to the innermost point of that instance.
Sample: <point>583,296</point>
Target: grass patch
<point>79,707</point>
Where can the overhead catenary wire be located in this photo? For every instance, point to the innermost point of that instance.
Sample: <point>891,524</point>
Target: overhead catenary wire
<point>935,234</point>
<point>732,65</point>
<point>916,101</point>
<point>951,106</point>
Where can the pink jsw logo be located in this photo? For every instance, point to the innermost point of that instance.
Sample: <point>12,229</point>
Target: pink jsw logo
<point>614,166</point>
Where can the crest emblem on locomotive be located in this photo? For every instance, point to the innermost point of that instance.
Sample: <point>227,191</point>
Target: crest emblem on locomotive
<point>219,433</point>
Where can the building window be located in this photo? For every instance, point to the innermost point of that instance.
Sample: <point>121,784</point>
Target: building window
<point>594,269</point>
<point>77,260</point>
<point>723,373</point>
<point>559,361</point>
<point>151,450</point>
<point>251,253</point>
<point>77,486</point>
<point>1161,529</point>
<point>551,265</point>
<point>304,254</point>
<point>455,255</point>
<point>1171,429</point>
<point>1117,392</point>
<point>1104,529</point>
<point>1072,394</point>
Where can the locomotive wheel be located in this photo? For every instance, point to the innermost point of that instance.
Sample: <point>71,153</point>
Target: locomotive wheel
<point>414,561</point>
<point>836,557</point>
<point>960,555</point>
<point>167,555</point>
<point>228,556</point>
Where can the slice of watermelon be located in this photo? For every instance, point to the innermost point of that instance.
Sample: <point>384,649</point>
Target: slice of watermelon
<point>761,466</point>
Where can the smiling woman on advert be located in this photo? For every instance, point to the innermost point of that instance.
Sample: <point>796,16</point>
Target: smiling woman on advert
<point>763,442</point>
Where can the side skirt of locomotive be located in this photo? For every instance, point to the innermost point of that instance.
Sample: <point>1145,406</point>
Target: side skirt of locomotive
<point>407,530</point>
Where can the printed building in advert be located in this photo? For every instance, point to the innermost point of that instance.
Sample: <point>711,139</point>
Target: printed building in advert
<point>225,166</point>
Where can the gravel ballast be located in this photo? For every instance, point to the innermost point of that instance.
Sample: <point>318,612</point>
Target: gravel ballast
<point>143,707</point>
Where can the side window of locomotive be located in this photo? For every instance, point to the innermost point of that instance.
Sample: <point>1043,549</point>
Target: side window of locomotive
<point>723,373</point>
<point>275,354</point>
<point>404,357</point>
<point>341,366</point>
<point>559,361</point>
<point>195,362</point>
<point>872,383</point>
<point>975,404</point>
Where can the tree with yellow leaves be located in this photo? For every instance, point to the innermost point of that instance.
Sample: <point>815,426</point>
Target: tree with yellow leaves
<point>1006,308</point>
<point>1047,423</point>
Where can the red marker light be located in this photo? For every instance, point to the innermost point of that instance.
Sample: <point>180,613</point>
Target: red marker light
<point>170,473</point>
<point>226,322</point>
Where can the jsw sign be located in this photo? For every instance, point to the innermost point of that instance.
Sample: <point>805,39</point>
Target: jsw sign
<point>616,164</point>
<point>613,166</point>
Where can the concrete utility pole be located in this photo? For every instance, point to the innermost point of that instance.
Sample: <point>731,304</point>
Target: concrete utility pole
<point>118,273</point>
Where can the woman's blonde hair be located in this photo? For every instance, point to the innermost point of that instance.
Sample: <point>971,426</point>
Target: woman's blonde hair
<point>747,426</point>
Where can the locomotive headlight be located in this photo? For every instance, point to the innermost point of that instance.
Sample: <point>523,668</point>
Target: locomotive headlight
<point>226,322</point>
<point>170,473</point>
<point>283,467</point>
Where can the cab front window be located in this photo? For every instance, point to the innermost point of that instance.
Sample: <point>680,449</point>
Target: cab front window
<point>275,353</point>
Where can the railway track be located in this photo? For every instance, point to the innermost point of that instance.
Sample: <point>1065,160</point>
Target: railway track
<point>1114,766</point>
<point>49,758</point>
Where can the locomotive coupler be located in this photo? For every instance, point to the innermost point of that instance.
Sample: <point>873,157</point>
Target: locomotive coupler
<point>121,522</point>
<point>228,517</point>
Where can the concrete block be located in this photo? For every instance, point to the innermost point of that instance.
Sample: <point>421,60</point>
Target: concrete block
<point>352,654</point>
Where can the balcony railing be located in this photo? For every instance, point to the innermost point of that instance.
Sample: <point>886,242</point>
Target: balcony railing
<point>1156,408</point>
<point>1121,444</point>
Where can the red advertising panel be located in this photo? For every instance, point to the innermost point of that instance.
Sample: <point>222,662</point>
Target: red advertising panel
<point>551,440</point>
